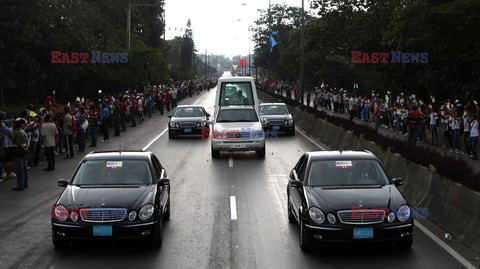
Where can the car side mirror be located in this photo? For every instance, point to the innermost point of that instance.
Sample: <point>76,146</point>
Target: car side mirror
<point>295,184</point>
<point>170,116</point>
<point>208,115</point>
<point>163,181</point>
<point>292,113</point>
<point>63,182</point>
<point>398,181</point>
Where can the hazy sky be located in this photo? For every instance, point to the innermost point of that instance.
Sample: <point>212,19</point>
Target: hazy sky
<point>219,26</point>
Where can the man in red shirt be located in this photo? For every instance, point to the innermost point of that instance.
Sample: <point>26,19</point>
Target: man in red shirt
<point>93,124</point>
<point>414,118</point>
<point>133,112</point>
<point>123,114</point>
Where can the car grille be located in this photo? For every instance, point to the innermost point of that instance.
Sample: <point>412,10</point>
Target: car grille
<point>103,214</point>
<point>361,216</point>
<point>275,122</point>
<point>242,135</point>
<point>188,124</point>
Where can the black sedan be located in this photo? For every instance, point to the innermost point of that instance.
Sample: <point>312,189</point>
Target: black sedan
<point>188,120</point>
<point>113,195</point>
<point>347,196</point>
<point>276,117</point>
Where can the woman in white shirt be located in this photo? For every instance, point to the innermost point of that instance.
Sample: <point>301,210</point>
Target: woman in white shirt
<point>466,132</point>
<point>474,136</point>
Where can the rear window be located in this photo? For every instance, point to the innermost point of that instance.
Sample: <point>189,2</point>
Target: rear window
<point>346,172</point>
<point>236,93</point>
<point>113,172</point>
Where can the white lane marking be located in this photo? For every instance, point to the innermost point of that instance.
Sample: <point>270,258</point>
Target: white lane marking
<point>446,247</point>
<point>233,208</point>
<point>230,161</point>
<point>442,244</point>
<point>166,129</point>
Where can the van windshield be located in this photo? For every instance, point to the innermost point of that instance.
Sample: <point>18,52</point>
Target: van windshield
<point>236,93</point>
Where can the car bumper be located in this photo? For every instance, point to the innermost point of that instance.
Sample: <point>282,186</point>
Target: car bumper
<point>238,145</point>
<point>390,233</point>
<point>279,128</point>
<point>84,231</point>
<point>186,131</point>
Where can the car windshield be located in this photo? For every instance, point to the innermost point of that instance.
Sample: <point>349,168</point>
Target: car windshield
<point>185,112</point>
<point>273,110</point>
<point>105,172</point>
<point>237,115</point>
<point>236,93</point>
<point>346,173</point>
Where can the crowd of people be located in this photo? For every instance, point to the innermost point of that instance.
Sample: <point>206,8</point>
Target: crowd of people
<point>55,129</point>
<point>417,119</point>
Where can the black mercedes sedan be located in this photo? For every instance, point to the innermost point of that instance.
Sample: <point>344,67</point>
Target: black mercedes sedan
<point>188,120</point>
<point>347,196</point>
<point>276,117</point>
<point>113,195</point>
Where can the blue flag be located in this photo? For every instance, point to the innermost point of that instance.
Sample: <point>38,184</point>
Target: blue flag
<point>272,41</point>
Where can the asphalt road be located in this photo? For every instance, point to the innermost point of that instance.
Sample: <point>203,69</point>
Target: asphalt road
<point>201,232</point>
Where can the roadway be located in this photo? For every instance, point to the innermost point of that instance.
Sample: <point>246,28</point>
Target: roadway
<point>206,229</point>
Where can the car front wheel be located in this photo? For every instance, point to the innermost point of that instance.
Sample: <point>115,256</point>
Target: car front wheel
<point>59,243</point>
<point>291,217</point>
<point>405,244</point>
<point>215,153</point>
<point>261,152</point>
<point>303,236</point>
<point>157,240</point>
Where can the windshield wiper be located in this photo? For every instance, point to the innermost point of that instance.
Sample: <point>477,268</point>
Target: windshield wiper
<point>225,121</point>
<point>245,120</point>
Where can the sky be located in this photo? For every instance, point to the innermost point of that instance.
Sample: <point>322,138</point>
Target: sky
<point>219,26</point>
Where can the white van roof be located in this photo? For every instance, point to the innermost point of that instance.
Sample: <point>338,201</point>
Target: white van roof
<point>235,79</point>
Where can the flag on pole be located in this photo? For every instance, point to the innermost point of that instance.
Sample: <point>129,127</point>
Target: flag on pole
<point>272,41</point>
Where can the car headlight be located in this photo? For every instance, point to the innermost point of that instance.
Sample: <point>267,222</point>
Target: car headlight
<point>204,123</point>
<point>391,217</point>
<point>316,215</point>
<point>61,213</point>
<point>331,218</point>
<point>172,124</point>
<point>146,211</point>
<point>290,121</point>
<point>198,124</point>
<point>132,215</point>
<point>74,216</point>
<point>177,125</point>
<point>403,213</point>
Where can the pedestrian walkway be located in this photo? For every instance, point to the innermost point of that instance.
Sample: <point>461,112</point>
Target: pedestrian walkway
<point>475,164</point>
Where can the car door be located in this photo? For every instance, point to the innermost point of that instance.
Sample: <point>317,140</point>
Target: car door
<point>296,194</point>
<point>161,190</point>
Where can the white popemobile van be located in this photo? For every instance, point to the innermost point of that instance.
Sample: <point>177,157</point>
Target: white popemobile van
<point>236,124</point>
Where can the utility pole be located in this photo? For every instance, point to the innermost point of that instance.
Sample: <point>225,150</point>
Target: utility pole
<point>302,53</point>
<point>129,21</point>
<point>270,30</point>
<point>205,64</point>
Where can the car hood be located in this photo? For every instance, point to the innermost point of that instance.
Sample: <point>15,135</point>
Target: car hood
<point>125,197</point>
<point>188,119</point>
<point>238,126</point>
<point>333,199</point>
<point>275,117</point>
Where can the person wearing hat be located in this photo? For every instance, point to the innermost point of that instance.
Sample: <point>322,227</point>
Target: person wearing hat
<point>20,145</point>
<point>414,118</point>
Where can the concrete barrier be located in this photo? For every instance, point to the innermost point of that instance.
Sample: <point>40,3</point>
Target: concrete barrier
<point>450,205</point>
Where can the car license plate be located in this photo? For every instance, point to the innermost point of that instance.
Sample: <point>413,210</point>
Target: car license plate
<point>276,127</point>
<point>362,233</point>
<point>239,146</point>
<point>187,130</point>
<point>102,230</point>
